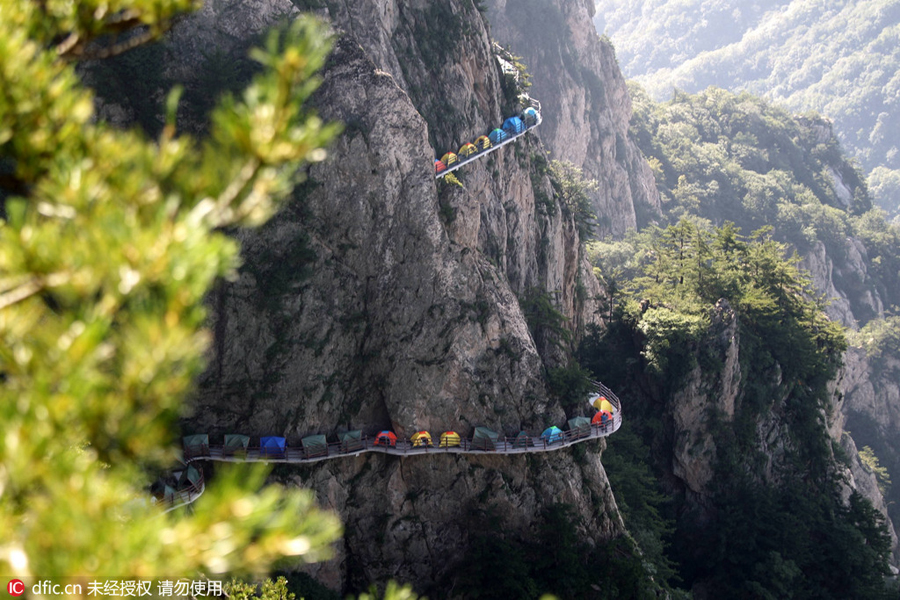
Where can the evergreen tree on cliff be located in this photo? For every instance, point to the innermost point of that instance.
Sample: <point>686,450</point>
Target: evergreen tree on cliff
<point>108,244</point>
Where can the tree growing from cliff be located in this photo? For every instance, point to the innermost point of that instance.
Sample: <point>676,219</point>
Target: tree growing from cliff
<point>108,244</point>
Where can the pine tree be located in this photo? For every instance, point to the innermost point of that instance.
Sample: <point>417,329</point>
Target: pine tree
<point>108,244</point>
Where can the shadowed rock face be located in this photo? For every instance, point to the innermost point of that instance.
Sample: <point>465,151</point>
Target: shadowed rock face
<point>381,298</point>
<point>586,103</point>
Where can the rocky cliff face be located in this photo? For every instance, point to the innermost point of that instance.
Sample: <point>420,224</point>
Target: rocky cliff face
<point>380,298</point>
<point>586,103</point>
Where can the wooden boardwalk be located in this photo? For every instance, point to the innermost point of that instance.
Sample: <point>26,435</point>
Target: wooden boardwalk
<point>300,455</point>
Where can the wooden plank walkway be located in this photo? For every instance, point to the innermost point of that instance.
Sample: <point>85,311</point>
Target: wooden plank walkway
<point>300,455</point>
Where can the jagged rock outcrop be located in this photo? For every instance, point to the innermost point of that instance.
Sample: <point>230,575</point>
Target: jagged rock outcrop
<point>586,104</point>
<point>382,298</point>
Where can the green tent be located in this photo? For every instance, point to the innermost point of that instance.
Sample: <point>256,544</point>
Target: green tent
<point>580,427</point>
<point>236,444</point>
<point>351,441</point>
<point>196,445</point>
<point>485,439</point>
<point>190,477</point>
<point>314,445</point>
<point>523,440</point>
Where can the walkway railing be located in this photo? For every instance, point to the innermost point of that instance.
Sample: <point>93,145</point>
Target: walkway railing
<point>461,161</point>
<point>300,455</point>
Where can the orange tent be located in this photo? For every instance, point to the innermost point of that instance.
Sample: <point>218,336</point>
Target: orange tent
<point>386,438</point>
<point>439,167</point>
<point>604,417</point>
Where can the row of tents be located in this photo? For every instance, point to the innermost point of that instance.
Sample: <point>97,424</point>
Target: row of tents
<point>511,128</point>
<point>352,441</point>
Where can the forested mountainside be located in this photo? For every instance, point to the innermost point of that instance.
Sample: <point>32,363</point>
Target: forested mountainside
<point>381,298</point>
<point>838,58</point>
<point>746,395</point>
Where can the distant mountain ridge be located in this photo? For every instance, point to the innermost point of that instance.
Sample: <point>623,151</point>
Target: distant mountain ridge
<point>841,59</point>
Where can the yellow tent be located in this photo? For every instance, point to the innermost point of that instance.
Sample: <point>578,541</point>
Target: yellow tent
<point>449,159</point>
<point>483,143</point>
<point>602,403</point>
<point>421,438</point>
<point>467,150</point>
<point>449,439</point>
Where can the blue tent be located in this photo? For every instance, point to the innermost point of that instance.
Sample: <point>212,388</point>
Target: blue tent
<point>497,136</point>
<point>271,446</point>
<point>552,434</point>
<point>513,125</point>
<point>530,116</point>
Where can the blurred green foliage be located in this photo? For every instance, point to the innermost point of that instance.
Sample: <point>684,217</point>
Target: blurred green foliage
<point>109,244</point>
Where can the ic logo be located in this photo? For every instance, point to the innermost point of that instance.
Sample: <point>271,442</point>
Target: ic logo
<point>15,587</point>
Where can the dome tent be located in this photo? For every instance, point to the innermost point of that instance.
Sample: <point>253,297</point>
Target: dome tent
<point>523,440</point>
<point>580,427</point>
<point>604,417</point>
<point>552,434</point>
<point>467,150</point>
<point>439,167</point>
<point>386,438</point>
<point>513,125</point>
<point>421,438</point>
<point>449,439</point>
<point>497,136</point>
<point>449,159</point>
<point>601,403</point>
<point>530,117</point>
<point>483,142</point>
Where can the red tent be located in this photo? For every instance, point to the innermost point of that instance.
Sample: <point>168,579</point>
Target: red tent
<point>386,438</point>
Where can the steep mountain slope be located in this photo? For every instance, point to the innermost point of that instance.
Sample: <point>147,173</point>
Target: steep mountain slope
<point>837,58</point>
<point>382,298</point>
<point>576,76</point>
<point>722,157</point>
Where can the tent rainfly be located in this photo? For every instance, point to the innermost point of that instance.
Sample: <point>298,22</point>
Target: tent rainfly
<point>196,445</point>
<point>236,444</point>
<point>271,446</point>
<point>552,434</point>
<point>523,440</point>
<point>485,439</point>
<point>439,167</point>
<point>602,418</point>
<point>601,403</point>
<point>513,125</point>
<point>580,427</point>
<point>190,477</point>
<point>483,142</point>
<point>351,441</point>
<point>449,159</point>
<point>449,439</point>
<point>497,136</point>
<point>467,150</point>
<point>421,438</point>
<point>314,445</point>
<point>386,438</point>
